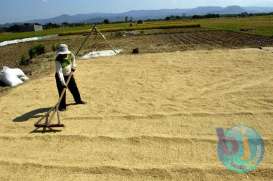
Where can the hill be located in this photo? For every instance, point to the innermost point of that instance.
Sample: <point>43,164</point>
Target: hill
<point>150,14</point>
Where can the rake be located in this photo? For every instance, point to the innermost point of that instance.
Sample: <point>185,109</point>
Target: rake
<point>45,121</point>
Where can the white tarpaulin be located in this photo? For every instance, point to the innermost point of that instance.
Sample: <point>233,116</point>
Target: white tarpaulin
<point>12,76</point>
<point>103,53</point>
<point>4,43</point>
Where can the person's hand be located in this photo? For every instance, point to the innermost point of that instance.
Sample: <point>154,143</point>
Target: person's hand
<point>65,86</point>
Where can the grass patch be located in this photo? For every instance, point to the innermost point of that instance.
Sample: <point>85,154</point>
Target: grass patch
<point>114,29</point>
<point>54,31</point>
<point>259,25</point>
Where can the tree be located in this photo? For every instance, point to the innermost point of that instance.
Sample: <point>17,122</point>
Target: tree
<point>244,14</point>
<point>140,22</point>
<point>65,24</point>
<point>106,21</point>
<point>51,25</point>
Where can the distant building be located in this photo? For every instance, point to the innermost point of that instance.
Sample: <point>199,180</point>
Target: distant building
<point>37,27</point>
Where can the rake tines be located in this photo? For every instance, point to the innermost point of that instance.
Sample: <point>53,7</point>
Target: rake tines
<point>46,121</point>
<point>47,118</point>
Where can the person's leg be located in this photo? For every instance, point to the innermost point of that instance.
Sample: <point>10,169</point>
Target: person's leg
<point>74,90</point>
<point>60,90</point>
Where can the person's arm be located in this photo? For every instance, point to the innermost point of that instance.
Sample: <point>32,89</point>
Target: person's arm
<point>60,73</point>
<point>74,65</point>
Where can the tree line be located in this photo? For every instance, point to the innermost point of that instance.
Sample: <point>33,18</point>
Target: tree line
<point>211,15</point>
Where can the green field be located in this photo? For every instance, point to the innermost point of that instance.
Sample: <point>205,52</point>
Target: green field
<point>260,25</point>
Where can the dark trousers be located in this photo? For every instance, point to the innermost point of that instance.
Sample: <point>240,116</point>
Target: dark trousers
<point>72,86</point>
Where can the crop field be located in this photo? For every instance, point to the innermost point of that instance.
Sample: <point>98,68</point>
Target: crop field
<point>149,41</point>
<point>259,25</point>
<point>104,28</point>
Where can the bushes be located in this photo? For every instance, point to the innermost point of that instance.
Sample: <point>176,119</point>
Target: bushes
<point>106,21</point>
<point>206,16</point>
<point>140,22</point>
<point>36,50</point>
<point>24,60</point>
<point>32,52</point>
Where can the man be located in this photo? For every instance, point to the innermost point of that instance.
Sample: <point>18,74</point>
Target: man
<point>65,65</point>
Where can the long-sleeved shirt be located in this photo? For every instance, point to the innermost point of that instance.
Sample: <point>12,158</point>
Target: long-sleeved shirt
<point>64,66</point>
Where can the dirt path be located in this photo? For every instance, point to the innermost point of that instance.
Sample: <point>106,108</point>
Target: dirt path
<point>149,117</point>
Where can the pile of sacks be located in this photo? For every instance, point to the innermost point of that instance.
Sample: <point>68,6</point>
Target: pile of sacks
<point>12,76</point>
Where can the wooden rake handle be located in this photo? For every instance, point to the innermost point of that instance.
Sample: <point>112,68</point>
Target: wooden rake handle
<point>63,92</point>
<point>56,107</point>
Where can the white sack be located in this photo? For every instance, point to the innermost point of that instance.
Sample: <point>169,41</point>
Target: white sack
<point>19,73</point>
<point>12,77</point>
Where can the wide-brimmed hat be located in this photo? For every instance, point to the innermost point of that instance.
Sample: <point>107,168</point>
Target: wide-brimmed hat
<point>63,49</point>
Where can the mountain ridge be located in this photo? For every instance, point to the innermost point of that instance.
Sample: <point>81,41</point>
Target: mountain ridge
<point>149,14</point>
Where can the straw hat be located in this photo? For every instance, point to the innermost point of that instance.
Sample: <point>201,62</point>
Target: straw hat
<point>63,49</point>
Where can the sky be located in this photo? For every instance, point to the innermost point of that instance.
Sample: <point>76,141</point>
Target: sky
<point>20,10</point>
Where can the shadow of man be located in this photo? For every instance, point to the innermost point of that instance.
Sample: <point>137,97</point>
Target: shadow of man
<point>37,113</point>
